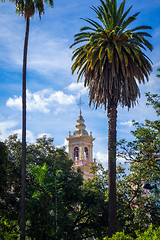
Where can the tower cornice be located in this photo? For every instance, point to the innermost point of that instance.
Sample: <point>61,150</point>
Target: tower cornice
<point>73,138</point>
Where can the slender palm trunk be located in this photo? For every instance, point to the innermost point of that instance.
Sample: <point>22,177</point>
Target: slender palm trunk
<point>23,173</point>
<point>112,134</point>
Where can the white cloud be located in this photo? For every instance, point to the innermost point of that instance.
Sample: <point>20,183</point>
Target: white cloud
<point>15,102</point>
<point>59,110</point>
<point>5,129</point>
<point>78,87</point>
<point>65,144</point>
<point>7,125</point>
<point>128,123</point>
<point>61,98</point>
<point>101,157</point>
<point>29,135</point>
<point>121,160</point>
<point>48,135</point>
<point>41,101</point>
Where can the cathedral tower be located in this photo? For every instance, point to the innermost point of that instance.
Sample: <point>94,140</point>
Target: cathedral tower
<point>81,148</point>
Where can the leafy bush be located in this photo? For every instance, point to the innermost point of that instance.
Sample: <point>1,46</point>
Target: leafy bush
<point>119,236</point>
<point>9,229</point>
<point>150,234</point>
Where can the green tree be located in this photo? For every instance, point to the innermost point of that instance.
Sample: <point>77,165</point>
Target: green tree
<point>144,158</point>
<point>143,152</point>
<point>10,178</point>
<point>74,210</point>
<point>66,208</point>
<point>91,218</point>
<point>112,61</point>
<point>149,234</point>
<point>154,101</point>
<point>52,187</point>
<point>4,165</point>
<point>136,207</point>
<point>9,229</point>
<point>136,210</point>
<point>59,204</point>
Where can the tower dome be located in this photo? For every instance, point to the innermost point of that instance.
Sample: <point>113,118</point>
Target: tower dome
<point>80,128</point>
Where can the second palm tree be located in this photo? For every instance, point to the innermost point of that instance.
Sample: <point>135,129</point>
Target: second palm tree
<point>110,57</point>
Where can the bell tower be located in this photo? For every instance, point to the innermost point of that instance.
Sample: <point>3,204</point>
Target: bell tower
<point>81,148</point>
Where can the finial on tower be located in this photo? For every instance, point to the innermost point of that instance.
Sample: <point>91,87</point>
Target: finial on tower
<point>80,104</point>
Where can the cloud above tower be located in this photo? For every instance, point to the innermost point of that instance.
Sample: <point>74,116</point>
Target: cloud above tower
<point>42,101</point>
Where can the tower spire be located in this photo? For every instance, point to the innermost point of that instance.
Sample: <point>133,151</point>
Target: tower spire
<point>80,104</point>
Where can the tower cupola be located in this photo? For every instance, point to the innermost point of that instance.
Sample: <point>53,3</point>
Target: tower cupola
<point>80,128</point>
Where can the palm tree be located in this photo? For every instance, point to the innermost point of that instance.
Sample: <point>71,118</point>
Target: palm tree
<point>26,8</point>
<point>111,59</point>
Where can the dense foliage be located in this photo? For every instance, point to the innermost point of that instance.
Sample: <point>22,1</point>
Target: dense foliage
<point>150,234</point>
<point>59,204</point>
<point>143,156</point>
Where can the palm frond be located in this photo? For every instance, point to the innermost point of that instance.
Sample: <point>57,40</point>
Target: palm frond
<point>124,16</point>
<point>128,21</point>
<point>143,27</point>
<point>92,22</point>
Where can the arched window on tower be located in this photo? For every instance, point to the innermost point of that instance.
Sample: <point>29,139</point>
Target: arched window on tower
<point>76,154</point>
<point>85,153</point>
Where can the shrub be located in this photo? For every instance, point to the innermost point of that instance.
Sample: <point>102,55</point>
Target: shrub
<point>149,234</point>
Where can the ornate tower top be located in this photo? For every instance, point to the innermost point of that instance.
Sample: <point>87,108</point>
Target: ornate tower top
<point>81,148</point>
<point>80,128</point>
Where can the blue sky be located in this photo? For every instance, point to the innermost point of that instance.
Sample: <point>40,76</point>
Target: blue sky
<point>52,92</point>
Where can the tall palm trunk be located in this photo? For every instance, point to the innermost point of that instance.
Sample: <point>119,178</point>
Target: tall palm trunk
<point>23,173</point>
<point>112,134</point>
